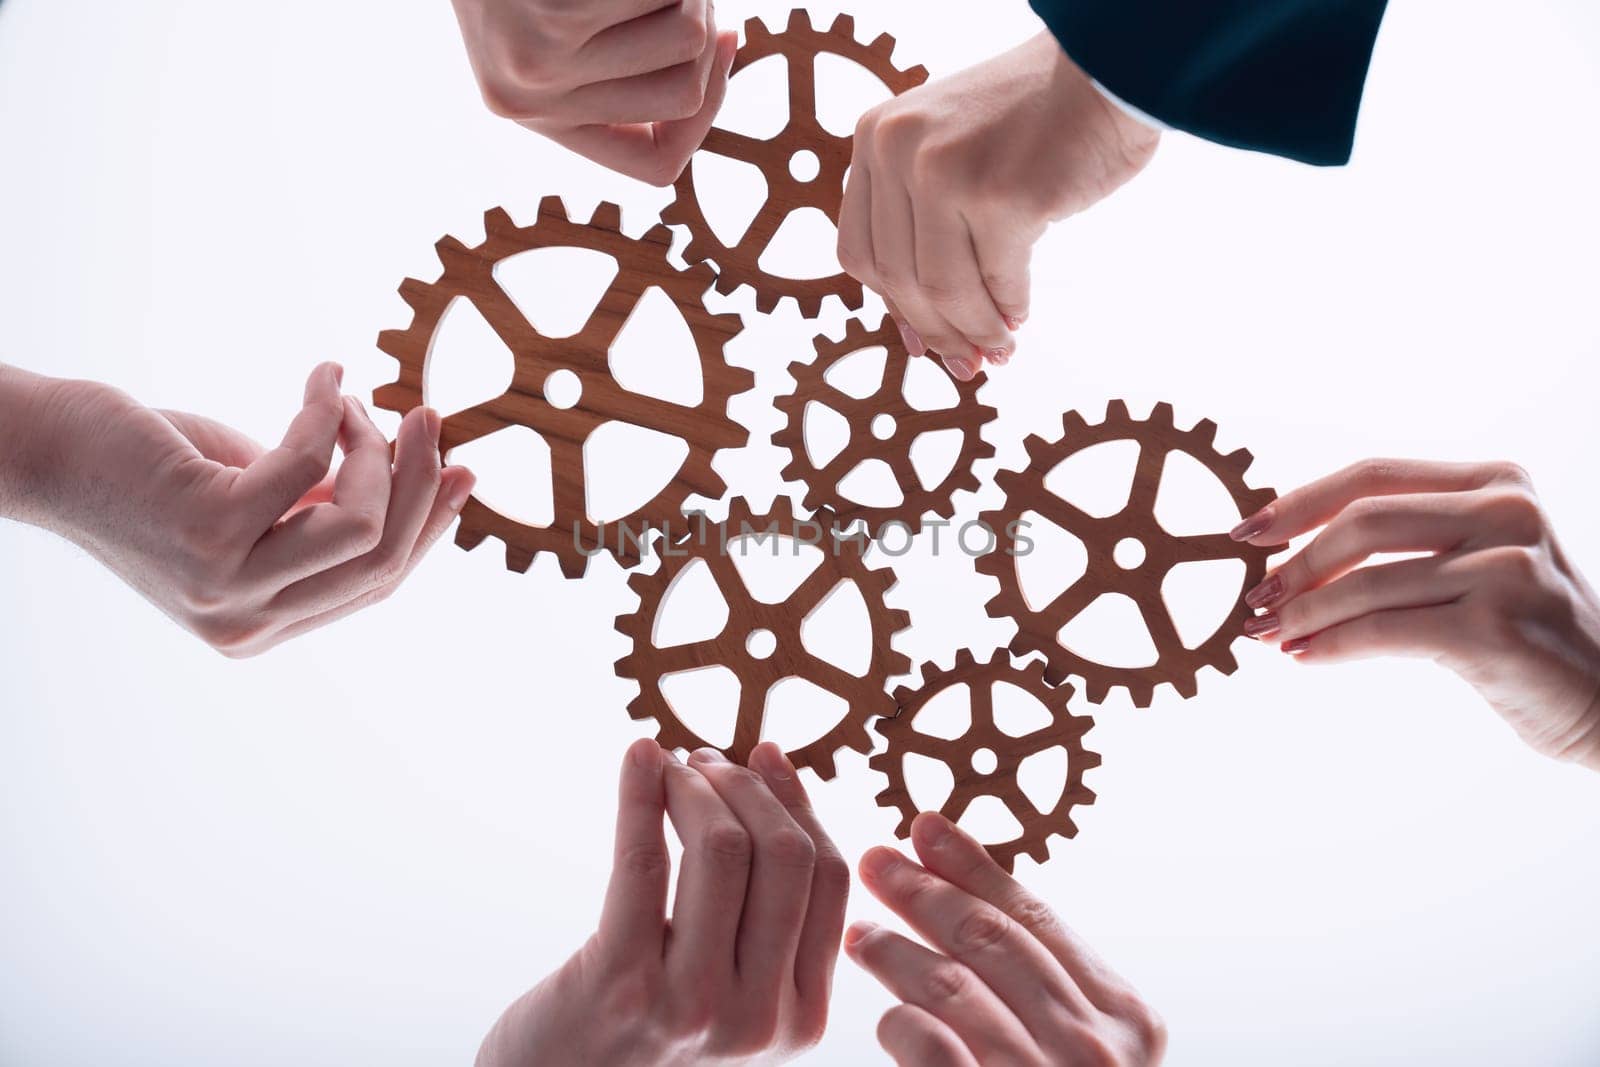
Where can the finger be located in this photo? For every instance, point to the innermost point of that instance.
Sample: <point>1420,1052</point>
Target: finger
<point>782,855</point>
<point>656,153</point>
<point>945,989</point>
<point>218,443</point>
<point>712,882</point>
<point>958,858</point>
<point>270,486</point>
<point>895,256</point>
<point>1004,258</point>
<point>321,537</point>
<point>855,227</point>
<point>947,269</point>
<point>675,34</point>
<point>915,1037</point>
<point>417,482</point>
<point>1021,971</point>
<point>675,92</point>
<point>457,483</point>
<point>633,919</point>
<point>1314,505</point>
<point>818,948</point>
<point>1411,583</point>
<point>1422,633</point>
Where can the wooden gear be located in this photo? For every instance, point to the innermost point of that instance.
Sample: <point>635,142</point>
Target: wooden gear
<point>642,264</point>
<point>867,696</point>
<point>739,264</point>
<point>1038,629</point>
<point>822,483</point>
<point>1066,731</point>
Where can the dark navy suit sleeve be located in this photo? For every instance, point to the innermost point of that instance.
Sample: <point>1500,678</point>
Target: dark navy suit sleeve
<point>1279,76</point>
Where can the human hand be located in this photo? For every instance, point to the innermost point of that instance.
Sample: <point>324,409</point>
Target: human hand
<point>742,971</point>
<point>1496,599</point>
<point>952,183</point>
<point>632,84</point>
<point>1005,981</point>
<point>244,547</point>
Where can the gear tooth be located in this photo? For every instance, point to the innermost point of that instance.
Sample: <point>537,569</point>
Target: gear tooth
<point>903,695</point>
<point>1239,461</point>
<point>519,559</point>
<point>882,46</point>
<point>1073,422</point>
<point>903,831</point>
<point>810,306</point>
<point>965,658</point>
<point>392,397</point>
<point>639,583</point>
<point>1141,695</point>
<point>1117,411</point>
<point>607,216</point>
<point>1040,853</point>
<point>766,302</point>
<point>1162,415</point>
<point>1187,685</point>
<point>469,537</point>
<point>394,343</point>
<point>452,253</point>
<point>916,75</point>
<point>1094,689</point>
<point>844,26</point>
<point>898,663</point>
<point>727,285</point>
<point>1204,432</point>
<point>799,20</point>
<point>823,765</point>
<point>1226,662</point>
<point>754,28</point>
<point>552,208</point>
<point>1090,760</point>
<point>1037,447</point>
<point>414,293</point>
<point>697,253</point>
<point>497,222</point>
<point>659,234</point>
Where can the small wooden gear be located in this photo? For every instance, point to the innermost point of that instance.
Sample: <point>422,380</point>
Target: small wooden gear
<point>1065,731</point>
<point>867,695</point>
<point>1038,629</point>
<point>740,263</point>
<point>865,416</point>
<point>642,265</point>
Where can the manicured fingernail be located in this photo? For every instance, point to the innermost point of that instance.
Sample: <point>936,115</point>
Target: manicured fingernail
<point>1297,646</point>
<point>1253,526</point>
<point>435,425</point>
<point>859,932</point>
<point>960,369</point>
<point>998,356</point>
<point>459,494</point>
<point>707,755</point>
<point>879,862</point>
<point>1015,321</point>
<point>1266,594</point>
<point>911,339</point>
<point>1262,625</point>
<point>647,756</point>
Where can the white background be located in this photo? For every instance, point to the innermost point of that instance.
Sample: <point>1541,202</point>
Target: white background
<point>357,849</point>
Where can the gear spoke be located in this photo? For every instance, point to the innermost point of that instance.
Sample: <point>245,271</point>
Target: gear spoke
<point>1070,602</point>
<point>828,676</point>
<point>1204,548</point>
<point>1147,478</point>
<point>811,592</point>
<point>1061,512</point>
<point>567,482</point>
<point>731,145</point>
<point>675,659</point>
<point>1017,802</point>
<point>960,799</point>
<point>1158,620</point>
<point>982,705</point>
<point>507,320</point>
<point>752,717</point>
<point>802,89</point>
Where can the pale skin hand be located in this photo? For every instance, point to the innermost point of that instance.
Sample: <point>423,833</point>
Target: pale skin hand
<point>1495,598</point>
<point>632,84</point>
<point>742,971</point>
<point>243,546</point>
<point>953,183</point>
<point>1005,982</point>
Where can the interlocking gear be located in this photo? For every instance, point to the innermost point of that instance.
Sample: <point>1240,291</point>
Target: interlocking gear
<point>865,416</point>
<point>740,264</point>
<point>866,696</point>
<point>1038,630</point>
<point>1066,731</point>
<point>642,265</point>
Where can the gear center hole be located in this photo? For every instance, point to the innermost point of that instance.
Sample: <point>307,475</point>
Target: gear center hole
<point>884,426</point>
<point>984,761</point>
<point>761,643</point>
<point>805,166</point>
<point>1129,553</point>
<point>563,389</point>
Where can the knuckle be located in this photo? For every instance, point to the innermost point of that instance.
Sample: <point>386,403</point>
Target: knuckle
<point>790,847</point>
<point>1516,513</point>
<point>684,98</point>
<point>689,36</point>
<point>980,929</point>
<point>831,873</point>
<point>1517,565</point>
<point>1510,473</point>
<point>1088,1047</point>
<point>947,982</point>
<point>505,99</point>
<point>726,840</point>
<point>1149,1029</point>
<point>1035,916</point>
<point>646,862</point>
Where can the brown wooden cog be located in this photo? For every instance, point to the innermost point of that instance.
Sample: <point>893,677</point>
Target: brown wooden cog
<point>1066,731</point>
<point>1038,629</point>
<point>740,263</point>
<point>642,265</point>
<point>842,562</point>
<point>864,415</point>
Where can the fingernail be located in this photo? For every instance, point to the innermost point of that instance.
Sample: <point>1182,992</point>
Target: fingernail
<point>459,494</point>
<point>933,830</point>
<point>707,755</point>
<point>776,762</point>
<point>1254,525</point>
<point>999,356</point>
<point>859,932</point>
<point>1262,625</point>
<point>647,756</point>
<point>435,425</point>
<point>879,862</point>
<point>1266,594</point>
<point>338,375</point>
<point>1015,321</point>
<point>911,339</point>
<point>1297,646</point>
<point>959,369</point>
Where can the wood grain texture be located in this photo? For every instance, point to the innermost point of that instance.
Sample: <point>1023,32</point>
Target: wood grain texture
<point>910,423</point>
<point>740,263</point>
<point>1064,731</point>
<point>842,563</point>
<point>469,274</point>
<point>1039,627</point>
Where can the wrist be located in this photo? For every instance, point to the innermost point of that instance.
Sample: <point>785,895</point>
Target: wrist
<point>1107,145</point>
<point>31,417</point>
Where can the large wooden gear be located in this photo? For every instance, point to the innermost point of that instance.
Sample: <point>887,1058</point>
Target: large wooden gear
<point>740,263</point>
<point>1038,629</point>
<point>865,417</point>
<point>842,562</point>
<point>642,264</point>
<point>1065,731</point>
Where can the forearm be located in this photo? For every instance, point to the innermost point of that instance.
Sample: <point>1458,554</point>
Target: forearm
<point>27,411</point>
